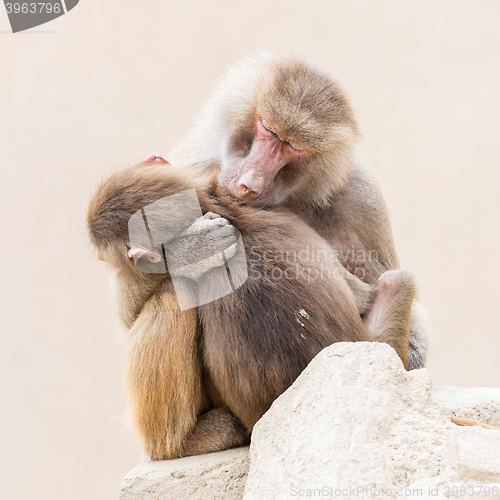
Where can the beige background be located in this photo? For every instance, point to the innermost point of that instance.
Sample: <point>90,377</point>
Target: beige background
<point>112,81</point>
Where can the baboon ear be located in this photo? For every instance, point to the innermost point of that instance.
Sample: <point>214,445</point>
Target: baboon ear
<point>151,254</point>
<point>153,158</point>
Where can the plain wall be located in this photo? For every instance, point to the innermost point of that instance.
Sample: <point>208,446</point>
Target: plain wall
<point>112,81</point>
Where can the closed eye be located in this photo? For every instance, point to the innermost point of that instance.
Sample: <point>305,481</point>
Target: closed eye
<point>294,146</point>
<point>267,127</point>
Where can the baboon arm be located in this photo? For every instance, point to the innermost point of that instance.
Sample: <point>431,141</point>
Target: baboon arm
<point>163,381</point>
<point>363,292</point>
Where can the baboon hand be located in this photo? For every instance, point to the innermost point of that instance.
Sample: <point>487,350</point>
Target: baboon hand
<point>206,244</point>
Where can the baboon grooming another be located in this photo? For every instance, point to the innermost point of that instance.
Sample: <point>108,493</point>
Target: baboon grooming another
<point>284,134</point>
<point>198,379</point>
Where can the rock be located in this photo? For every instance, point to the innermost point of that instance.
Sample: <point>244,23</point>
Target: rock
<point>354,419</point>
<point>356,424</point>
<point>217,476</point>
<point>482,404</point>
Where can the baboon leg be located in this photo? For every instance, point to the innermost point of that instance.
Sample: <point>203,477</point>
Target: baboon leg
<point>390,316</point>
<point>163,381</point>
<point>216,430</point>
<point>419,337</point>
<point>165,387</point>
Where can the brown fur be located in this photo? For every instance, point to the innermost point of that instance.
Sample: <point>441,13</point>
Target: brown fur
<point>197,383</point>
<point>326,186</point>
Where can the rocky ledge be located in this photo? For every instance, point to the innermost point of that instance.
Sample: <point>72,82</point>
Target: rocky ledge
<point>355,424</point>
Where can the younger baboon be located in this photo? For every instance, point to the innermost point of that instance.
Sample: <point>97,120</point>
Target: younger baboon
<point>198,379</point>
